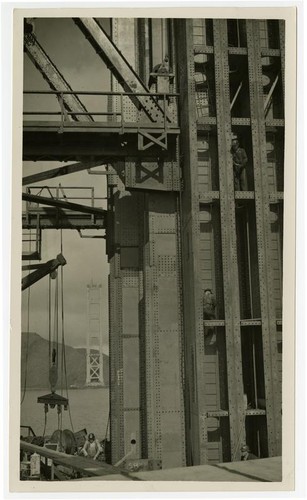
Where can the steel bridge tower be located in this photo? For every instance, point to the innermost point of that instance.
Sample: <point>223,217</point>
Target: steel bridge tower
<point>184,389</point>
<point>94,345</point>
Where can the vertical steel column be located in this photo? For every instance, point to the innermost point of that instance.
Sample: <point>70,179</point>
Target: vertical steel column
<point>282,42</point>
<point>116,360</point>
<point>165,408</point>
<point>263,239</point>
<point>196,430</point>
<point>126,326</point>
<point>228,231</point>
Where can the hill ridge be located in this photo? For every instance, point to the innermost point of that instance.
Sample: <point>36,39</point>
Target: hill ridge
<point>38,366</point>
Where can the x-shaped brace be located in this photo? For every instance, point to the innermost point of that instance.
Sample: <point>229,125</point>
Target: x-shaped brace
<point>161,140</point>
<point>156,173</point>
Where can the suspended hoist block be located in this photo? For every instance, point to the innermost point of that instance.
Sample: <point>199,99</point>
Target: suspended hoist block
<point>52,400</point>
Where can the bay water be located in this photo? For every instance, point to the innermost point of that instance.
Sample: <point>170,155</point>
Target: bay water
<point>89,409</point>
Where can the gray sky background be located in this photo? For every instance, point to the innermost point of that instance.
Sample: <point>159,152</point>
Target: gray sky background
<point>86,258</point>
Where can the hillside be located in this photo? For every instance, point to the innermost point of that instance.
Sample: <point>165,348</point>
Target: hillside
<point>38,366</point>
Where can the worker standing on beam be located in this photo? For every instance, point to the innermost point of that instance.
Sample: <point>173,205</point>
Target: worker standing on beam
<point>209,308</point>
<point>161,75</point>
<point>161,68</point>
<point>239,158</point>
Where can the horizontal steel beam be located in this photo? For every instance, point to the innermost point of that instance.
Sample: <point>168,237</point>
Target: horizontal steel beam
<point>102,127</point>
<point>88,144</point>
<point>63,204</point>
<point>58,172</point>
<point>58,218</point>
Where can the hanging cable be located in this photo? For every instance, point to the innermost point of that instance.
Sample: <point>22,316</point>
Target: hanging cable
<point>108,423</point>
<point>62,313</point>
<point>63,335</point>
<point>162,40</point>
<point>45,424</point>
<point>56,324</point>
<point>49,317</point>
<point>27,347</point>
<point>61,421</point>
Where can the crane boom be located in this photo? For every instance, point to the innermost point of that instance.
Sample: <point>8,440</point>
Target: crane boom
<point>44,269</point>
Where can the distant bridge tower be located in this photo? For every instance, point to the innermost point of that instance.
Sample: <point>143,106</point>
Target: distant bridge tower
<point>94,353</point>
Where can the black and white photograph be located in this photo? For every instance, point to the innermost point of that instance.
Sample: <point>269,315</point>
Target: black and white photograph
<point>152,215</point>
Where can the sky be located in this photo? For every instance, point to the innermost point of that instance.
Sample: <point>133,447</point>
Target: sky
<point>86,258</point>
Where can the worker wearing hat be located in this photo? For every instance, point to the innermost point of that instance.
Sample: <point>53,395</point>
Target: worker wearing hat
<point>239,158</point>
<point>246,453</point>
<point>92,448</point>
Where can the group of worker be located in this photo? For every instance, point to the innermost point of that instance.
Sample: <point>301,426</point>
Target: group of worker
<point>239,156</point>
<point>92,447</point>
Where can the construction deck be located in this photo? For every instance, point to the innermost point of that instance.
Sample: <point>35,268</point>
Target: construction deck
<point>262,470</point>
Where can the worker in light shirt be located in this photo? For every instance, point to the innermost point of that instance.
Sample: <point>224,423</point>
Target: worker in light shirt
<point>92,448</point>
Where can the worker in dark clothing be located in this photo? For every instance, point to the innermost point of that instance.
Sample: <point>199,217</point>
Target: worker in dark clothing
<point>209,308</point>
<point>246,453</point>
<point>159,69</point>
<point>239,158</point>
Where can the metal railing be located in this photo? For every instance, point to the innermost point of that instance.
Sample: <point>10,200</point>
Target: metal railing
<point>121,109</point>
<point>29,430</point>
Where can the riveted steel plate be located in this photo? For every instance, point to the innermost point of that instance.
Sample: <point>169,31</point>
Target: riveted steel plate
<point>165,223</point>
<point>132,432</point>
<point>172,449</point>
<point>131,373</point>
<point>170,396</point>
<point>263,238</point>
<point>130,304</point>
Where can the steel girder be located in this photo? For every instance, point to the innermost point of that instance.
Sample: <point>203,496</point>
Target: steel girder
<point>229,244</point>
<point>196,438</point>
<point>268,316</point>
<point>53,77</point>
<point>119,66</point>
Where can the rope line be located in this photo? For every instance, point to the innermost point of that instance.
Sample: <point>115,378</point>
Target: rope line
<point>27,347</point>
<point>63,338</point>
<point>108,422</point>
<point>49,317</point>
<point>45,424</point>
<point>56,324</point>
